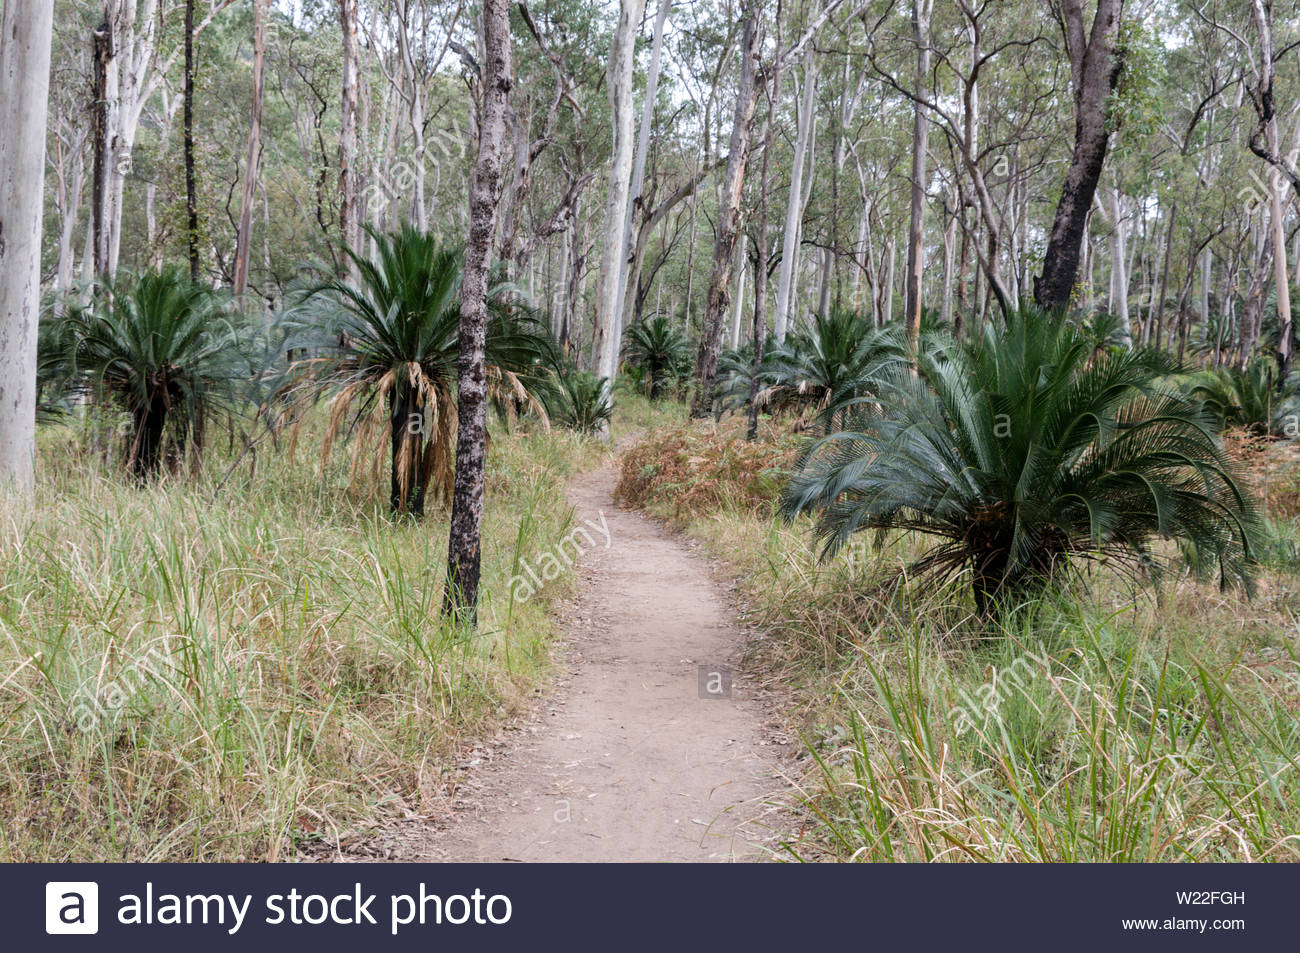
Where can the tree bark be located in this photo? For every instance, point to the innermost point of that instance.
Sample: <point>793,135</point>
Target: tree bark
<point>100,211</point>
<point>1118,271</point>
<point>636,200</point>
<point>252,163</point>
<point>25,39</point>
<point>1262,11</point>
<point>464,546</point>
<point>920,144</point>
<point>622,62</point>
<point>348,126</point>
<point>1094,72</point>
<point>794,205</point>
<point>759,319</point>
<point>706,360</point>
<point>191,182</point>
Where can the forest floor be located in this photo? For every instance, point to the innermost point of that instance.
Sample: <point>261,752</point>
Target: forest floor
<point>642,751</point>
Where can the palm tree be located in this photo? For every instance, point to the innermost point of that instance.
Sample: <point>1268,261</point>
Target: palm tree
<point>1024,450</point>
<point>389,360</point>
<point>661,349</point>
<point>160,349</point>
<point>832,362</point>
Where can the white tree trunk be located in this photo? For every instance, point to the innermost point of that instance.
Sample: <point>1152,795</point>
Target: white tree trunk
<point>949,263</point>
<point>920,145</point>
<point>887,304</point>
<point>626,294</point>
<point>794,205</point>
<point>252,161</point>
<point>1118,269</point>
<point>348,230</point>
<point>619,80</point>
<point>25,37</point>
<point>740,297</point>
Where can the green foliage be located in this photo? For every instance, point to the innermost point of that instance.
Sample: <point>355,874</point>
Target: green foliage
<point>1246,398</point>
<point>583,403</point>
<point>386,349</point>
<point>661,350</point>
<point>159,348</point>
<point>1025,450</point>
<point>821,369</point>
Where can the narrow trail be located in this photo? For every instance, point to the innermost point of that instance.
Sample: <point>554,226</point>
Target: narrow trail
<point>625,761</point>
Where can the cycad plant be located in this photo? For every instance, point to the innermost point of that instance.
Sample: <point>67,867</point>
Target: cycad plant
<point>660,349</point>
<point>582,402</point>
<point>388,356</point>
<point>1026,450</point>
<point>160,349</point>
<point>1246,398</point>
<point>829,364</point>
<point>735,377</point>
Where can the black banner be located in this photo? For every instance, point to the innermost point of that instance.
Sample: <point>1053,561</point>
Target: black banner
<point>596,907</point>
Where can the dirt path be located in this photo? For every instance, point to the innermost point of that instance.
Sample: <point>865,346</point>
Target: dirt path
<point>626,761</point>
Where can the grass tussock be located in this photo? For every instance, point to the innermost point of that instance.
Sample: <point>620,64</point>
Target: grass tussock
<point>1102,723</point>
<point>204,672</point>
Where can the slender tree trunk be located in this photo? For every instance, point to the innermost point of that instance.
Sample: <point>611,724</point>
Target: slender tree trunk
<point>772,85</point>
<point>1118,270</point>
<point>920,144</point>
<point>1164,275</point>
<point>887,302</point>
<point>738,311</point>
<point>1277,209</point>
<point>252,163</point>
<point>577,269</point>
<point>622,63</point>
<point>100,212</point>
<point>794,205</point>
<point>191,183</point>
<point>706,360</point>
<point>949,262</point>
<point>636,200</point>
<point>348,126</point>
<point>464,547</point>
<point>25,37</point>
<point>1094,71</point>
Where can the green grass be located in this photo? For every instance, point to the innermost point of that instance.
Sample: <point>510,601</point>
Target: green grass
<point>194,673</point>
<point>1105,724</point>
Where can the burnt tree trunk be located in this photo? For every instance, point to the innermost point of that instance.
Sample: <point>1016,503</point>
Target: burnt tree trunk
<point>103,46</point>
<point>1094,72</point>
<point>191,185</point>
<point>464,548</point>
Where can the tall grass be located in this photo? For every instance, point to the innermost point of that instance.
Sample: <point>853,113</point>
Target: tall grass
<point>1102,752</point>
<point>190,672</point>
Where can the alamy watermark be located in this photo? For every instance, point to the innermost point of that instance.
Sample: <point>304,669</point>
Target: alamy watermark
<point>91,708</point>
<point>985,702</point>
<point>563,555</point>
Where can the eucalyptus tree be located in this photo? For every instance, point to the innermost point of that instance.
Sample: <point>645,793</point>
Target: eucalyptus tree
<point>26,36</point>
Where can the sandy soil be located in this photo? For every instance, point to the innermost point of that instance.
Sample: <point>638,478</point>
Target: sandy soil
<point>636,756</point>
